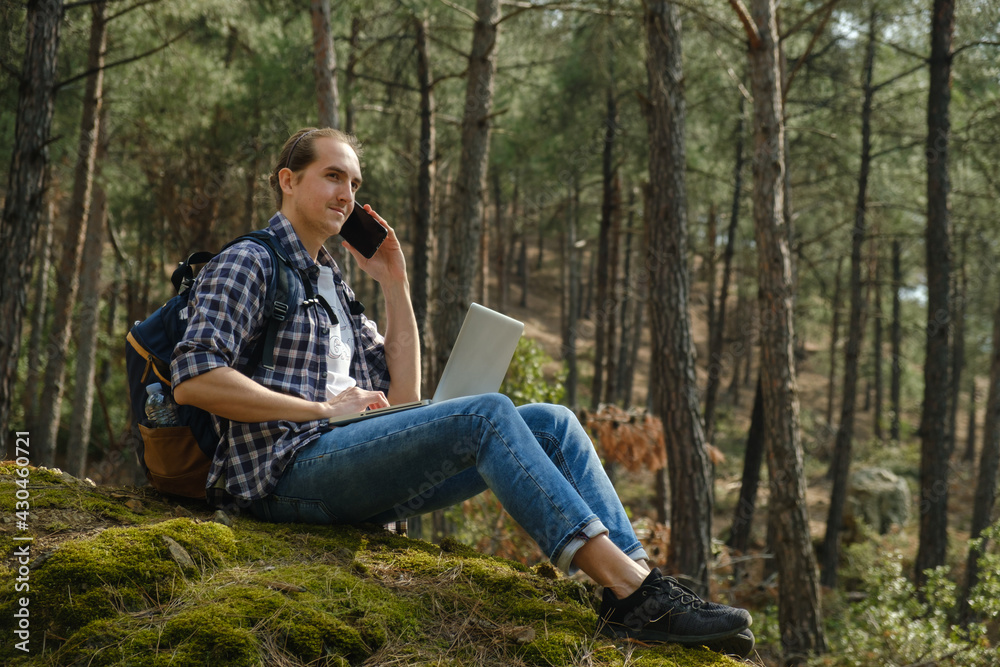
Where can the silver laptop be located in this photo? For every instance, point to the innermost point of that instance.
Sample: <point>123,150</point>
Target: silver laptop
<point>477,364</point>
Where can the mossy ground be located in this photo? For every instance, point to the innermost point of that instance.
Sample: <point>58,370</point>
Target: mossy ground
<point>106,590</point>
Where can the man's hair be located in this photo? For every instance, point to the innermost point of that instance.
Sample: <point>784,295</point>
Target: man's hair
<point>299,152</point>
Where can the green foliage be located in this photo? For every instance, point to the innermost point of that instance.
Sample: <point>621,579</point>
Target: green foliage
<point>893,626</point>
<point>526,380</point>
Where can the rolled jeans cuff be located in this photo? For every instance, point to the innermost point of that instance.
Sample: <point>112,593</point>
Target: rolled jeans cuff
<point>563,558</point>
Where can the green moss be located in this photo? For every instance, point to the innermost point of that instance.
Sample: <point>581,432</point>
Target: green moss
<point>264,594</point>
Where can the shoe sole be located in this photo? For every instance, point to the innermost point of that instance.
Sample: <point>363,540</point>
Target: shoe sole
<point>622,632</point>
<point>739,645</point>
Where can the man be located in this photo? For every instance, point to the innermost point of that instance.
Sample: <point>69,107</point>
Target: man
<point>282,462</point>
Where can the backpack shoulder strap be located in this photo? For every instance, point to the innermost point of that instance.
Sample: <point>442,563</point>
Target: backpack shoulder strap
<point>276,304</point>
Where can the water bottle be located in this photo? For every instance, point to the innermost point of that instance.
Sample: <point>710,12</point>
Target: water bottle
<point>160,409</point>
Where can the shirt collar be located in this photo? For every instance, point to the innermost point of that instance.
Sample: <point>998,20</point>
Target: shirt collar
<point>300,258</point>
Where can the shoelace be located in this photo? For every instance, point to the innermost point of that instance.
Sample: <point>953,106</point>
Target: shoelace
<point>675,590</point>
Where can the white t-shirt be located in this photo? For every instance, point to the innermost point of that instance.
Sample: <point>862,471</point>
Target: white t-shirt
<point>338,363</point>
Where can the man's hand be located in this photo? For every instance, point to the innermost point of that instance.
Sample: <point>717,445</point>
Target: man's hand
<point>355,399</point>
<point>388,265</point>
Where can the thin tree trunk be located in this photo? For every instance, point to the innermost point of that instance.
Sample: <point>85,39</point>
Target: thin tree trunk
<point>970,439</point>
<point>26,184</point>
<point>67,279</point>
<point>986,483</point>
<point>840,467</point>
<point>605,279</point>
<point>934,454</point>
<point>753,457</point>
<point>501,245</point>
<point>523,263</point>
<point>39,311</point>
<point>90,306</point>
<point>958,349</point>
<point>799,618</point>
<point>614,305</point>
<point>423,228</point>
<point>324,64</point>
<point>718,330</point>
<point>623,368</point>
<point>467,206</point>
<point>877,348</point>
<point>834,342</point>
<point>350,76</point>
<point>896,336</point>
<point>571,296</point>
<point>673,368</point>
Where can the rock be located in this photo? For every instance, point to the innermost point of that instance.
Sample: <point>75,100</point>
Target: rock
<point>223,518</point>
<point>178,553</point>
<point>878,497</point>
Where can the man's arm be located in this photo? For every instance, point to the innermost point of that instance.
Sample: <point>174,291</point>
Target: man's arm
<point>226,392</point>
<point>401,340</point>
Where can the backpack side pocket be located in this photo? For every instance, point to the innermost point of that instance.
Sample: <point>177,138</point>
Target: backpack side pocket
<point>175,450</point>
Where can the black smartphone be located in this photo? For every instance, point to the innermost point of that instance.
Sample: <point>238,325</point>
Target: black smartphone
<point>363,232</point>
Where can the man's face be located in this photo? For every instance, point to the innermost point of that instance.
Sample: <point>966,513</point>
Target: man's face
<point>321,196</point>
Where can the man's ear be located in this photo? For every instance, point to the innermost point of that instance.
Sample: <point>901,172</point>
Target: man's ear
<point>285,178</point>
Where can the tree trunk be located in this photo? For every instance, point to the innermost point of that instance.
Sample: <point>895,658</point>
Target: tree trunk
<point>934,454</point>
<point>970,439</point>
<point>623,367</point>
<point>753,457</point>
<point>605,278</point>
<point>718,331</point>
<point>501,244</point>
<point>958,349</point>
<point>467,205</point>
<point>614,306</point>
<point>877,347</point>
<point>90,307</point>
<point>834,342</point>
<point>40,309</point>
<point>67,278</point>
<point>986,484</point>
<point>673,366</point>
<point>571,296</point>
<point>26,184</point>
<point>350,73</point>
<point>840,467</point>
<point>423,227</point>
<point>324,65</point>
<point>896,336</point>
<point>798,594</point>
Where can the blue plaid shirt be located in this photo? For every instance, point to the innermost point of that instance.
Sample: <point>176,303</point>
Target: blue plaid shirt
<point>225,315</point>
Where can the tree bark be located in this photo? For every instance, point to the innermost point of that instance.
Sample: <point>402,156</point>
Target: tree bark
<point>718,329</point>
<point>896,335</point>
<point>798,595</point>
<point>571,296</point>
<point>90,305</point>
<point>970,438</point>
<point>958,348</point>
<point>26,184</point>
<point>467,206</point>
<point>986,483</point>
<point>753,457</point>
<point>38,318</point>
<point>840,467</point>
<point>423,227</point>
<point>934,454</point>
<point>673,367</point>
<point>605,312</point>
<point>877,346</point>
<point>67,278</point>
<point>834,342</point>
<point>324,65</point>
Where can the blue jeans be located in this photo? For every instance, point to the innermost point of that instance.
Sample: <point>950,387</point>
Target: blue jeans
<point>537,459</point>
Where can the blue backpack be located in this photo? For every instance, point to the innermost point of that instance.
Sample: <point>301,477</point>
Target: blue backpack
<point>176,459</point>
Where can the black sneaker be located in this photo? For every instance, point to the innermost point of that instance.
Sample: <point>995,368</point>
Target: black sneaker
<point>738,646</point>
<point>662,610</point>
